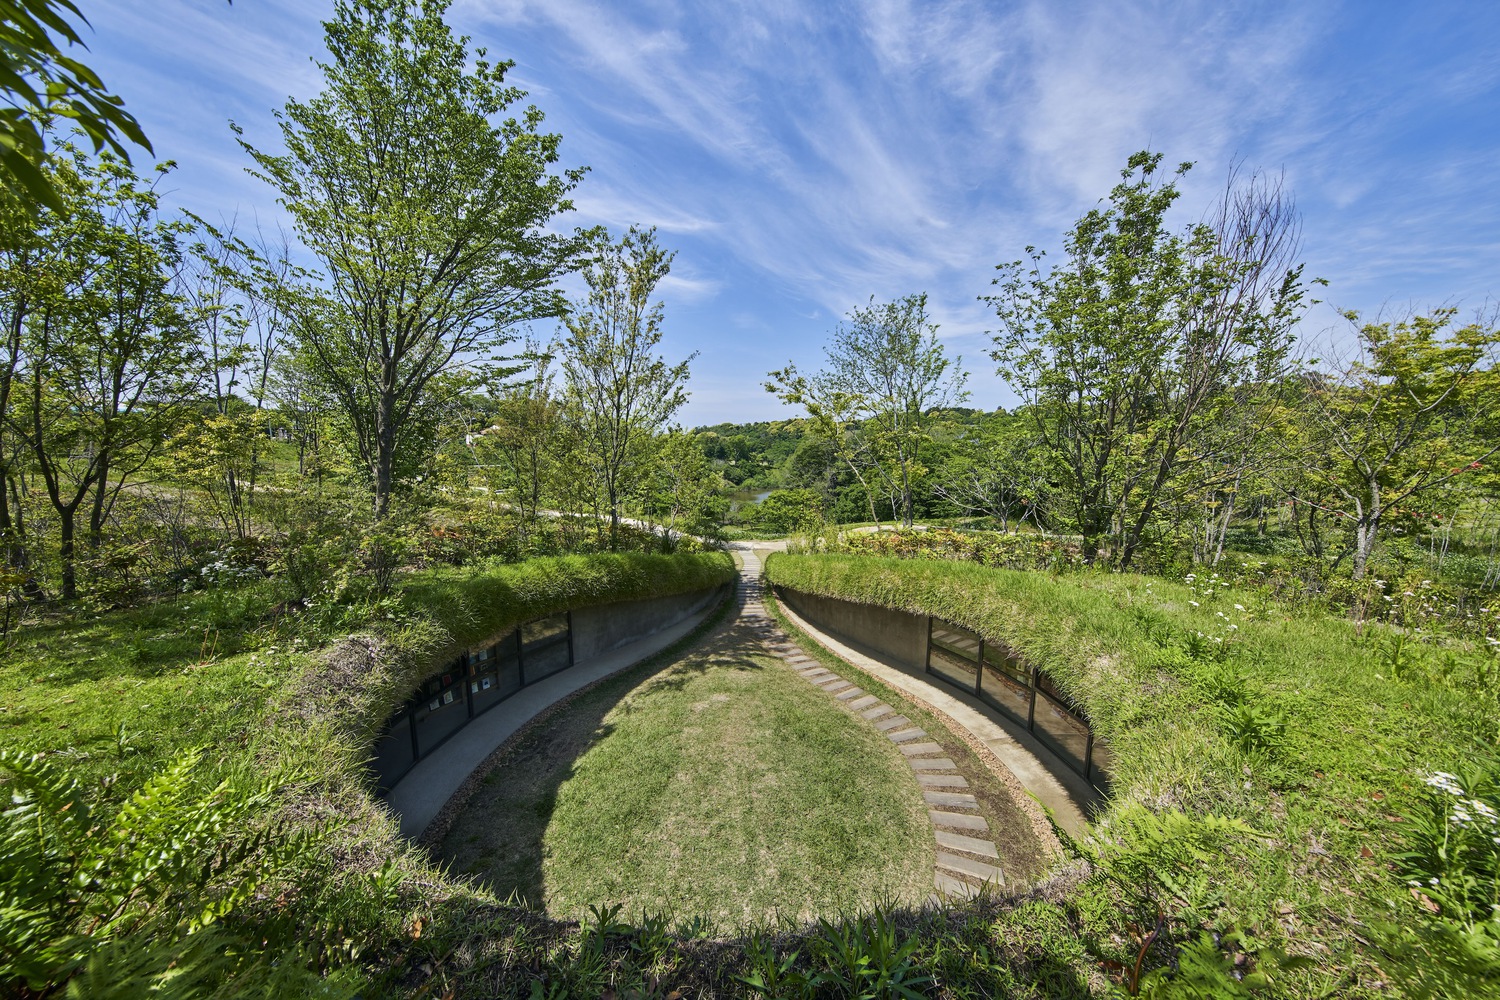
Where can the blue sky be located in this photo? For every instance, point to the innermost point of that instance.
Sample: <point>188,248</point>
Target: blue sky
<point>804,155</point>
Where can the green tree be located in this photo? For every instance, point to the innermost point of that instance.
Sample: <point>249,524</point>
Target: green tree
<point>431,222</point>
<point>107,358</point>
<point>1131,345</point>
<point>1000,471</point>
<point>786,511</point>
<point>686,492</point>
<point>42,84</point>
<point>619,393</point>
<point>525,438</point>
<point>1417,409</point>
<point>883,375</point>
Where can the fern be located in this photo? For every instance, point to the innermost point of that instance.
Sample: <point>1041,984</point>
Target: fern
<point>133,904</point>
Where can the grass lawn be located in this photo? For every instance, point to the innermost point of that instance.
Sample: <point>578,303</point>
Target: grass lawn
<point>721,786</point>
<point>124,691</point>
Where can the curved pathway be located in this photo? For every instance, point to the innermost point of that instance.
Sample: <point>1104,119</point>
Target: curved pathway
<point>966,858</point>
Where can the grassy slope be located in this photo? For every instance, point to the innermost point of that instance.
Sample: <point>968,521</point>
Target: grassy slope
<point>198,670</point>
<point>721,786</point>
<point>1354,744</point>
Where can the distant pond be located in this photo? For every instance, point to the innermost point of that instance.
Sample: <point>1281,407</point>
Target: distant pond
<point>739,498</point>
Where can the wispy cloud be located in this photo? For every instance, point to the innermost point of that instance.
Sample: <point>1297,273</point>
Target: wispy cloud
<point>802,156</point>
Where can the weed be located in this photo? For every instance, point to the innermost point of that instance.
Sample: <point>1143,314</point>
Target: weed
<point>864,958</point>
<point>1251,728</point>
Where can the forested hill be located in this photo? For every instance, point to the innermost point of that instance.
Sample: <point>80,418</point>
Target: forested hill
<point>777,454</point>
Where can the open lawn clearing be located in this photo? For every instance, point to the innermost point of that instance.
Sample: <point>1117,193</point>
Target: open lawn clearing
<point>723,786</point>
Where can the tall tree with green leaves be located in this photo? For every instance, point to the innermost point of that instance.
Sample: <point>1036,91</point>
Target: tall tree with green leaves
<point>107,358</point>
<point>883,375</point>
<point>619,392</point>
<point>433,221</point>
<point>1416,409</point>
<point>1131,344</point>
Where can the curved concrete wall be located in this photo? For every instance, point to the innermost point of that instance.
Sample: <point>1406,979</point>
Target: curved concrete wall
<point>901,639</point>
<point>606,627</point>
<point>423,774</point>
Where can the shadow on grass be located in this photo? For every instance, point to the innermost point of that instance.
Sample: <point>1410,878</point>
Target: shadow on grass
<point>498,838</point>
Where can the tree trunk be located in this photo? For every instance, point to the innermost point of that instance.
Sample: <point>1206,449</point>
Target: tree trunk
<point>66,553</point>
<point>385,454</point>
<point>1366,524</point>
<point>97,510</point>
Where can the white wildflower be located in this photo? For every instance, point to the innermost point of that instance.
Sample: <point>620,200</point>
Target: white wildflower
<point>1443,781</point>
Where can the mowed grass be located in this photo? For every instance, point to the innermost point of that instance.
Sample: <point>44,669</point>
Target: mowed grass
<point>722,786</point>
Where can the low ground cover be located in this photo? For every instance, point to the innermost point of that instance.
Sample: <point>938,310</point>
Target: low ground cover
<point>718,787</point>
<point>1267,767</point>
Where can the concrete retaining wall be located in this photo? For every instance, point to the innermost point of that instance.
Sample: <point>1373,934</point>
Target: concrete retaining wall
<point>899,640</point>
<point>897,635</point>
<point>607,627</point>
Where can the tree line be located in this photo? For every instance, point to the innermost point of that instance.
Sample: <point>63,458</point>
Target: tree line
<point>176,393</point>
<point>1162,397</point>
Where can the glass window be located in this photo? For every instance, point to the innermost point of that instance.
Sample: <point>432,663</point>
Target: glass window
<point>1048,685</point>
<point>959,641</point>
<point>545,661</point>
<point>1062,731</point>
<point>999,658</point>
<point>951,668</point>
<point>544,631</point>
<point>1001,688</point>
<point>440,708</point>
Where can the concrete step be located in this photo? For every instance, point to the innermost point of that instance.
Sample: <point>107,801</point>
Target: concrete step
<point>969,845</point>
<point>965,866</point>
<point>957,821</point>
<point>950,886</point>
<point>951,800</point>
<point>942,781</point>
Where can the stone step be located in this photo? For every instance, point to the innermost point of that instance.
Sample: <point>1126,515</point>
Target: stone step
<point>816,676</point>
<point>932,764</point>
<point>835,686</point>
<point>853,692</point>
<point>918,749</point>
<point>864,702</point>
<point>958,821</point>
<point>969,845</point>
<point>951,800</point>
<point>942,781</point>
<point>894,722</point>
<point>902,735</point>
<point>877,711</point>
<point>950,886</point>
<point>965,866</point>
